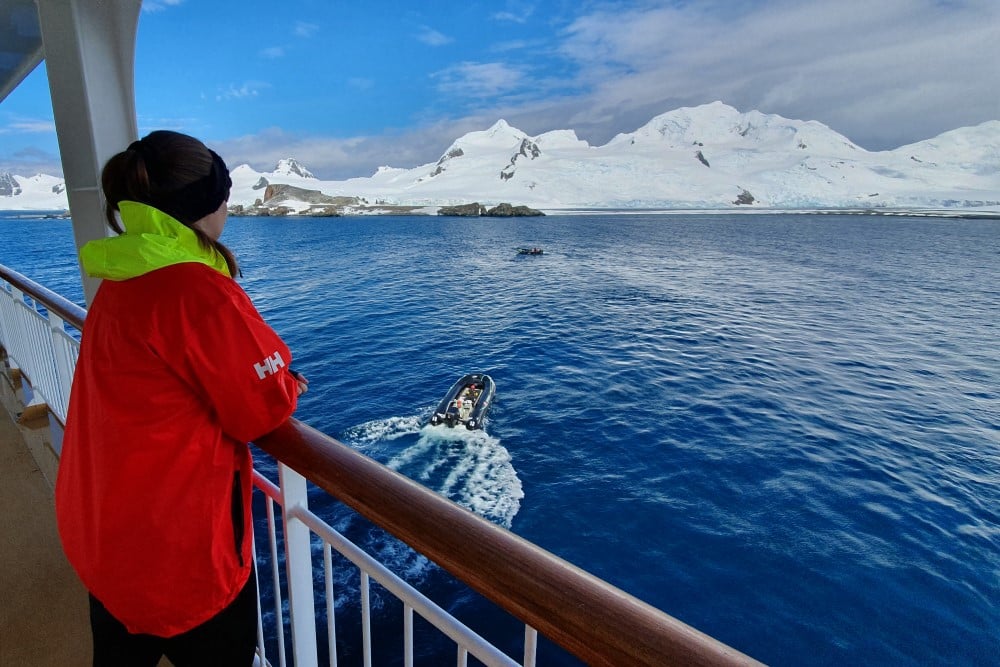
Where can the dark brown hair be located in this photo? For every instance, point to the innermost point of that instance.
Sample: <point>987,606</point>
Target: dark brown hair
<point>163,170</point>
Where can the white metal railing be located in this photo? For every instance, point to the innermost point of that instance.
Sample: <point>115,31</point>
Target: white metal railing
<point>298,522</point>
<point>584,615</point>
<point>39,343</point>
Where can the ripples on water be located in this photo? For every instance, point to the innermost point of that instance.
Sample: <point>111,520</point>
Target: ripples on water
<point>784,431</point>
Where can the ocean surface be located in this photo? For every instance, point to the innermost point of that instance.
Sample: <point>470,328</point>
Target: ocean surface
<point>782,430</point>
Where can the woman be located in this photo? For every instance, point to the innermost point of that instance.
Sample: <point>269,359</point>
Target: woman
<point>177,372</point>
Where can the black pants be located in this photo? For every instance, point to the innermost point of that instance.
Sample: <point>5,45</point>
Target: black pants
<point>227,639</point>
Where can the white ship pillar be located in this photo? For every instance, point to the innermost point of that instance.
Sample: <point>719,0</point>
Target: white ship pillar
<point>90,61</point>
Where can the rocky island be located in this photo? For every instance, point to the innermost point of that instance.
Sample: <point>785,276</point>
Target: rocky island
<point>280,200</point>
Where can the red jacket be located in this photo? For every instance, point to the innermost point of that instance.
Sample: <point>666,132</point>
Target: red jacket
<point>177,372</point>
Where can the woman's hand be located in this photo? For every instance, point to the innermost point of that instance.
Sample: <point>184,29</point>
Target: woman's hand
<point>303,382</point>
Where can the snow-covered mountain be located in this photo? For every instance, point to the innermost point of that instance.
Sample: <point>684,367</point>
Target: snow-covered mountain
<point>38,192</point>
<point>289,167</point>
<point>706,157</point>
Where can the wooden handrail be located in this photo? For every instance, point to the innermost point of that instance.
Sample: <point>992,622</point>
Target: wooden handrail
<point>56,303</point>
<point>587,616</point>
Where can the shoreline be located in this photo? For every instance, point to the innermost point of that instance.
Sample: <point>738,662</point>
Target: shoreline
<point>897,212</point>
<point>972,214</point>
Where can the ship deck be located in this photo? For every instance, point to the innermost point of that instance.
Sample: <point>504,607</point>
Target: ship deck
<point>44,616</point>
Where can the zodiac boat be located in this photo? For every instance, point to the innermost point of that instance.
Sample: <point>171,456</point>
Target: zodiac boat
<point>466,403</point>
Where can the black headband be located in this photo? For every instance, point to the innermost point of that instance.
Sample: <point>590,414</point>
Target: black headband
<point>195,200</point>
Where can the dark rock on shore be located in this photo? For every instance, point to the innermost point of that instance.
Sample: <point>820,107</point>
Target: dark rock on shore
<point>507,211</point>
<point>463,210</point>
<point>351,206</point>
<point>476,210</point>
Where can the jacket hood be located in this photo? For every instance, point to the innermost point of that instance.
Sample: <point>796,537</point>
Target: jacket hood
<point>152,240</point>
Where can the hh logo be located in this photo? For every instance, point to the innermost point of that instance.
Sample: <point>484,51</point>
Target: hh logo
<point>269,366</point>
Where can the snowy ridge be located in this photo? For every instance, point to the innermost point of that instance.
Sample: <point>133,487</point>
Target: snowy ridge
<point>706,157</point>
<point>289,167</point>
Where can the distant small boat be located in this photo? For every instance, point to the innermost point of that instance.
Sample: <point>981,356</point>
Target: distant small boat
<point>530,251</point>
<point>466,403</point>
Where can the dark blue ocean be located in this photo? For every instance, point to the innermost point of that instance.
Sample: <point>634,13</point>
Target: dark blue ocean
<point>782,430</point>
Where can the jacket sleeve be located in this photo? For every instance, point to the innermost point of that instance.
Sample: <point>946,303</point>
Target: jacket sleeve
<point>239,364</point>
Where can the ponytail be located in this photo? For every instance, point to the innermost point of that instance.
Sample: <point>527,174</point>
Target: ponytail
<point>174,173</point>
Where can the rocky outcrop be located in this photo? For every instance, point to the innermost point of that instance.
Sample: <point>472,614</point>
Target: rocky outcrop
<point>508,211</point>
<point>476,210</point>
<point>8,186</point>
<point>528,149</point>
<point>277,196</point>
<point>260,184</point>
<point>450,155</point>
<point>701,158</point>
<point>323,212</point>
<point>463,210</point>
<point>276,193</point>
<point>744,198</point>
<point>354,207</point>
<point>265,212</point>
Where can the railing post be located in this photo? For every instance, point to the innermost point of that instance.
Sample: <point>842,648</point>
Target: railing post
<point>6,300</point>
<point>298,568</point>
<point>64,368</point>
<point>13,333</point>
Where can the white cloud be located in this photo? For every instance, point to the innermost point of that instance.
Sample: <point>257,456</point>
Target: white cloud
<point>304,29</point>
<point>479,80</point>
<point>242,91</point>
<point>273,52</point>
<point>432,37</point>
<point>515,12</point>
<point>512,45</point>
<point>342,158</point>
<point>153,6</point>
<point>30,160</point>
<point>883,74</point>
<point>853,65</point>
<point>28,126</point>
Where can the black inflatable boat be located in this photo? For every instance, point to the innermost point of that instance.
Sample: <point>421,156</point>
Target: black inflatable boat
<point>466,403</point>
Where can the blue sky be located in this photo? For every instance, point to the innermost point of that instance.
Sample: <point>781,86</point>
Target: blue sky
<point>344,87</point>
